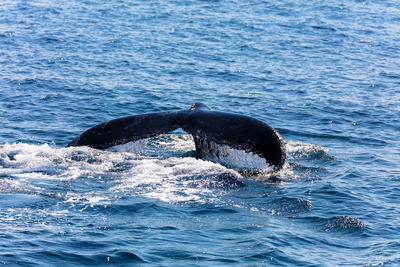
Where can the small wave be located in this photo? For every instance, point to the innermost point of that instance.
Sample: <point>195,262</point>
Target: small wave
<point>123,256</point>
<point>341,223</point>
<point>289,206</point>
<point>300,150</point>
<point>336,224</point>
<point>304,161</point>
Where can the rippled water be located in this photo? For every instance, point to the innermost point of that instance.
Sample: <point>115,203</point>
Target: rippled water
<point>325,74</point>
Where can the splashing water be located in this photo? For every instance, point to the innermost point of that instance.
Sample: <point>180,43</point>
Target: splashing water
<point>157,168</point>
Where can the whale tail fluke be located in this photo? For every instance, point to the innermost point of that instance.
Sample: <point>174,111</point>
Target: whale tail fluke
<point>236,131</point>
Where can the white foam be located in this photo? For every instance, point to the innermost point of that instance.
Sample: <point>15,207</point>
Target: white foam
<point>33,169</point>
<point>167,144</point>
<point>168,175</point>
<point>172,179</point>
<point>137,147</point>
<point>45,162</point>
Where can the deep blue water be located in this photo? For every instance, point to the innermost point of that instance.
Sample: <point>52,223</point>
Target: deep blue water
<point>325,74</point>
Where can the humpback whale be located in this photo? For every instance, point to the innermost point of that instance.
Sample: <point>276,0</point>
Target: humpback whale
<point>206,126</point>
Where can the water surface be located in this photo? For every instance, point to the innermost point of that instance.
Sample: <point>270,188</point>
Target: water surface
<point>325,74</point>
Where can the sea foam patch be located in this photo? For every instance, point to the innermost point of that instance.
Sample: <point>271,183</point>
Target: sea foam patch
<point>163,168</point>
<point>176,179</point>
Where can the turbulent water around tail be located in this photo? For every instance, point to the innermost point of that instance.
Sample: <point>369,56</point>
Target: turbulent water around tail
<point>61,191</point>
<point>163,168</point>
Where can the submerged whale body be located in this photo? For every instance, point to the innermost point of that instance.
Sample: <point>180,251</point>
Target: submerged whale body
<point>206,126</point>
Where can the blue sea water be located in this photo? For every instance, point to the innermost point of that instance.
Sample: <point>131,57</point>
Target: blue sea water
<point>325,74</point>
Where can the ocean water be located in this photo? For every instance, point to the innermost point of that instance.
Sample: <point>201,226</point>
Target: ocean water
<point>325,74</point>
